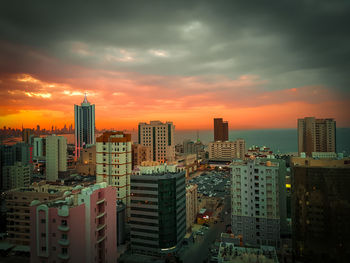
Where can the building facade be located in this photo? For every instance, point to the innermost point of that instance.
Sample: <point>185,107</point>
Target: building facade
<point>160,137</point>
<point>17,175</point>
<point>80,227</point>
<point>321,210</point>
<point>114,162</point>
<point>158,212</point>
<point>87,162</point>
<point>84,117</point>
<point>56,156</point>
<point>220,130</point>
<point>255,202</point>
<point>17,203</point>
<point>316,135</point>
<point>228,150</point>
<point>140,154</point>
<point>192,207</point>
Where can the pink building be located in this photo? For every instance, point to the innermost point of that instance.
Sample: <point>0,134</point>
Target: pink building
<point>79,227</point>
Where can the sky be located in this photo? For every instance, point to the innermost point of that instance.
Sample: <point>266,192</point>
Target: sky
<point>257,64</point>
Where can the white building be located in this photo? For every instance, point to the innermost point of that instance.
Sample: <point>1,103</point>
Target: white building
<point>84,116</point>
<point>114,163</point>
<point>255,202</point>
<point>160,137</point>
<point>226,151</point>
<point>56,156</point>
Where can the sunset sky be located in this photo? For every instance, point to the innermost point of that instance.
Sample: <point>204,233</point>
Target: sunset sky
<point>258,66</point>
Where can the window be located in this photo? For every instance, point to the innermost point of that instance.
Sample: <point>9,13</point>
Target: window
<point>43,221</point>
<point>43,248</point>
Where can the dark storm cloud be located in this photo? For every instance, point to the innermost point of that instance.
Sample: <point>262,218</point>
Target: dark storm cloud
<point>287,43</point>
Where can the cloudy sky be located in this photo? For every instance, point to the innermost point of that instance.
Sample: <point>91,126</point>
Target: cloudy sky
<point>257,64</point>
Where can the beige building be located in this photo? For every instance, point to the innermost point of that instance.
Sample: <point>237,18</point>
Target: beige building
<point>140,154</point>
<point>114,162</point>
<point>226,151</point>
<point>17,175</point>
<point>87,161</point>
<point>160,137</point>
<point>17,204</point>
<point>316,135</point>
<point>56,156</point>
<point>191,205</point>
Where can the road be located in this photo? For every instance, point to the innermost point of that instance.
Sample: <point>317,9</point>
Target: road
<point>199,252</point>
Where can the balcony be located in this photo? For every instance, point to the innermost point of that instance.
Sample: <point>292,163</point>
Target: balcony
<point>101,214</point>
<point>63,242</point>
<point>63,228</point>
<point>63,256</point>
<point>100,239</point>
<point>99,201</point>
<point>99,227</point>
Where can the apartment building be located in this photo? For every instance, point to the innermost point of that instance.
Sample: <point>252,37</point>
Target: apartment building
<point>316,135</point>
<point>17,203</point>
<point>255,202</point>
<point>114,162</point>
<point>226,151</point>
<point>160,137</point>
<point>79,227</point>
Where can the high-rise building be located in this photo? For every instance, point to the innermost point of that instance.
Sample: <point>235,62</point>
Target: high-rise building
<point>228,150</point>
<point>56,156</point>
<point>79,227</point>
<point>316,135</point>
<point>192,207</point>
<point>160,137</point>
<point>17,203</point>
<point>321,209</point>
<point>158,211</point>
<point>220,130</point>
<point>140,154</point>
<point>113,163</point>
<point>26,134</point>
<point>255,202</point>
<point>84,116</point>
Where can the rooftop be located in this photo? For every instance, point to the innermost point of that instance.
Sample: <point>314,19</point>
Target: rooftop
<point>228,252</point>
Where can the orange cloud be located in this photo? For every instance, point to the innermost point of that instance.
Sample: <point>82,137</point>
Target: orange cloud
<point>124,99</point>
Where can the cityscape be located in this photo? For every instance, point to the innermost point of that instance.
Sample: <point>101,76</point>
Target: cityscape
<point>169,131</point>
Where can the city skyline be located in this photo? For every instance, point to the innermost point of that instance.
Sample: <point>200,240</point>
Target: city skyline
<point>252,64</point>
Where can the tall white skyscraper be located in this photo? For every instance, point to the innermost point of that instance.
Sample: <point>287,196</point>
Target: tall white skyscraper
<point>56,156</point>
<point>84,116</point>
<point>160,137</point>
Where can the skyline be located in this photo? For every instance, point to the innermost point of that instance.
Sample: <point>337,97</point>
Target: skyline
<point>252,64</point>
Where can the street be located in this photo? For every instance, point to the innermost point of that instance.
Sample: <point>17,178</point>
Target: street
<point>199,252</point>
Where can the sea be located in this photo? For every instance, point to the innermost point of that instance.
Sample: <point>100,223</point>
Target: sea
<point>278,140</point>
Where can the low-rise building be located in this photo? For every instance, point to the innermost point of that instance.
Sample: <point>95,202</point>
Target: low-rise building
<point>226,150</point>
<point>87,161</point>
<point>140,153</point>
